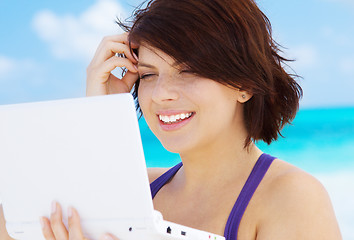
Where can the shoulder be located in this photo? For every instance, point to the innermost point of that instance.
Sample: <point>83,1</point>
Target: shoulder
<point>288,179</point>
<point>154,173</point>
<point>296,205</point>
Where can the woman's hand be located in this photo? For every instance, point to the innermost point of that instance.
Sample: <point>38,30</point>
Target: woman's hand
<point>54,228</point>
<point>100,80</point>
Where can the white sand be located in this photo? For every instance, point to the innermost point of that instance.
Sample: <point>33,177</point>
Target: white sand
<point>340,186</point>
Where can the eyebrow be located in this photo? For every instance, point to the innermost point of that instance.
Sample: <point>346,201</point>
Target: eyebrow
<point>142,64</point>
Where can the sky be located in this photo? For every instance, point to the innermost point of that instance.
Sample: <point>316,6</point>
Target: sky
<point>45,46</point>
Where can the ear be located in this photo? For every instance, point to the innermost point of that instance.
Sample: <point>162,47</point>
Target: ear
<point>243,96</point>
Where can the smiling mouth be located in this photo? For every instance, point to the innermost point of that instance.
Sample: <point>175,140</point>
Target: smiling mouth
<point>171,119</point>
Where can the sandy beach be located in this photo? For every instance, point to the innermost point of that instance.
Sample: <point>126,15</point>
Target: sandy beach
<point>340,186</point>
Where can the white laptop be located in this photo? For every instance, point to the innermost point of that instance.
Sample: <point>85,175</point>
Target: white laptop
<point>85,153</point>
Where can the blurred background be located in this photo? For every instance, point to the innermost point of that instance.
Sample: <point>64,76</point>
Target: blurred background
<point>45,47</point>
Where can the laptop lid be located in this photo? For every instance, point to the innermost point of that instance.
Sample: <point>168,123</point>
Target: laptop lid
<point>57,150</point>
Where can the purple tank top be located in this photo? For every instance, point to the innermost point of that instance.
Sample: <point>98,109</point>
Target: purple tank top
<point>253,180</point>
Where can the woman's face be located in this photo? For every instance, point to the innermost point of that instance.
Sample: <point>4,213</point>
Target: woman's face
<point>185,112</point>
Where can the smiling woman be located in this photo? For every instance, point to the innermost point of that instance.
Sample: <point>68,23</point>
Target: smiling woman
<point>210,82</point>
<point>167,92</point>
<point>231,45</point>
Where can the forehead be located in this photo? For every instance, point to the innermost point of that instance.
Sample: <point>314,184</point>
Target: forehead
<point>151,55</point>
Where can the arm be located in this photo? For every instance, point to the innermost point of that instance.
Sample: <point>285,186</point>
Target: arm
<point>298,207</point>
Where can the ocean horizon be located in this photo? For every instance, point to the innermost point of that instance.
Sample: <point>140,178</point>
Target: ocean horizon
<point>317,141</point>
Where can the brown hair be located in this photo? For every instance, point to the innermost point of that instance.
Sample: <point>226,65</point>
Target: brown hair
<point>229,41</point>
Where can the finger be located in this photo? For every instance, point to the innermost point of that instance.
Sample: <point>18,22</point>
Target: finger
<point>56,221</point>
<point>75,230</point>
<point>123,38</point>
<point>130,79</point>
<point>108,236</point>
<point>109,49</point>
<point>116,38</point>
<point>124,85</point>
<point>47,229</point>
<point>101,73</point>
<point>105,50</point>
<point>122,48</point>
<point>114,62</point>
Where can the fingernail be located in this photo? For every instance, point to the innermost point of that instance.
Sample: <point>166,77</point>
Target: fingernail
<point>136,67</point>
<point>54,207</point>
<point>135,56</point>
<point>70,212</point>
<point>41,220</point>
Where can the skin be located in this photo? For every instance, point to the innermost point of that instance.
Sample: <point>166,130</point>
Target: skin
<point>288,204</point>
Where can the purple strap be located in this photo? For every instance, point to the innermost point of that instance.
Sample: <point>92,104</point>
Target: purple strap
<point>156,185</point>
<point>259,170</point>
<point>233,222</point>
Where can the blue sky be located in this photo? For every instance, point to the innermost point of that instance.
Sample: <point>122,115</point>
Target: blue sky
<point>45,46</point>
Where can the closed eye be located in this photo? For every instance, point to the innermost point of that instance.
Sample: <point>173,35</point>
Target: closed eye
<point>145,76</point>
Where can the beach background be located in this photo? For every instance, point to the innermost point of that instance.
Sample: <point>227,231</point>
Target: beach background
<point>45,47</point>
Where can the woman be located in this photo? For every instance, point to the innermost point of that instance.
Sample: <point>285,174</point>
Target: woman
<point>210,82</point>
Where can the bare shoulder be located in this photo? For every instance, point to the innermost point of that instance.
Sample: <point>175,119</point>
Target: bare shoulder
<point>297,206</point>
<point>154,173</point>
<point>287,178</point>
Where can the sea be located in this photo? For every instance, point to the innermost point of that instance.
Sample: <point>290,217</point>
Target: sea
<point>319,141</point>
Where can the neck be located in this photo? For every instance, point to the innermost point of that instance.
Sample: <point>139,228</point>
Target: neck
<point>220,162</point>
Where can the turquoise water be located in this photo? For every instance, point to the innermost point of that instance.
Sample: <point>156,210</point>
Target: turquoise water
<point>319,140</point>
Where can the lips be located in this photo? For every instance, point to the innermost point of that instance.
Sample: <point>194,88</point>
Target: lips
<point>170,119</point>
<point>174,120</point>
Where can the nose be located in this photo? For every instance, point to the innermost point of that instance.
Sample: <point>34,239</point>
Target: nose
<point>165,90</point>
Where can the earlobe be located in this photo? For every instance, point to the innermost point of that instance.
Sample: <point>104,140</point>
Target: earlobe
<point>243,96</point>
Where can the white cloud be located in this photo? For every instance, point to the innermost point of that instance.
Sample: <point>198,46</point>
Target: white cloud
<point>7,65</point>
<point>20,71</point>
<point>11,68</point>
<point>305,56</point>
<point>77,37</point>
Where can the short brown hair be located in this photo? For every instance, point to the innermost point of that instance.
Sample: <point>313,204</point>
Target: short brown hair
<point>229,41</point>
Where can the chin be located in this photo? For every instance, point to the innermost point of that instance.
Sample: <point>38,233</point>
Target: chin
<point>175,146</point>
<point>175,142</point>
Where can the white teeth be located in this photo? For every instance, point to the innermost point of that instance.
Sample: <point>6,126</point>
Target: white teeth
<point>174,118</point>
